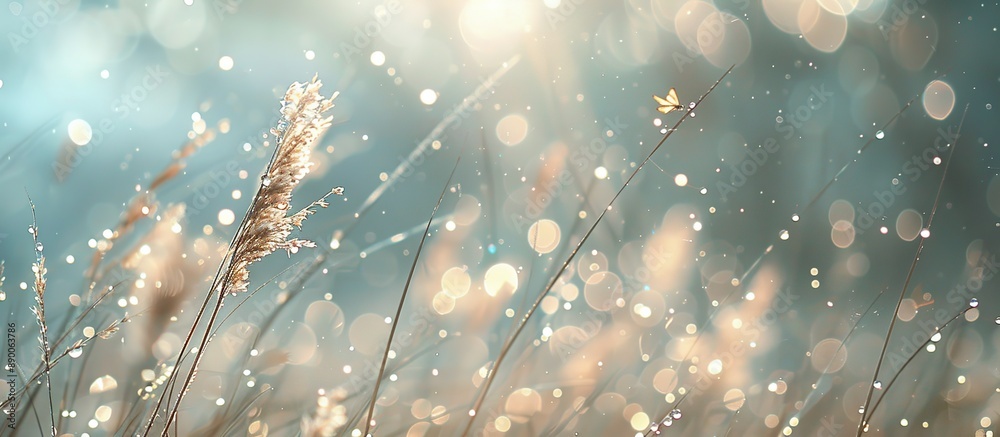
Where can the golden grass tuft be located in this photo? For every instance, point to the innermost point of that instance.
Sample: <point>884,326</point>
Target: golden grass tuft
<point>268,225</point>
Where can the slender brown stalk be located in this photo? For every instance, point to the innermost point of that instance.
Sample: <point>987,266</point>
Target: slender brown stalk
<point>555,278</point>
<point>38,268</point>
<point>910,359</point>
<point>909,275</point>
<point>267,224</point>
<point>402,299</point>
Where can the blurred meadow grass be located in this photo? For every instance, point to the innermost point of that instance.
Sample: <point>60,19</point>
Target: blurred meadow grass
<point>589,267</point>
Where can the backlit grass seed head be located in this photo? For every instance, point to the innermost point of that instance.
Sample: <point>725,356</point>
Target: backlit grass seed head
<point>269,223</point>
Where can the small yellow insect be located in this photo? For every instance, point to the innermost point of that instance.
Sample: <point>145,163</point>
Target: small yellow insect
<point>668,103</point>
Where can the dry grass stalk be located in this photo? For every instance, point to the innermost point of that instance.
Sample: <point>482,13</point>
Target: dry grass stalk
<point>267,225</point>
<point>38,268</point>
<point>402,300</point>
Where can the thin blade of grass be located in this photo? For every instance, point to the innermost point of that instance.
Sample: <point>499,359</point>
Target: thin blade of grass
<point>39,311</point>
<point>910,359</point>
<point>812,201</point>
<point>843,343</point>
<point>808,205</point>
<point>909,275</point>
<point>555,278</point>
<point>394,177</point>
<point>402,300</point>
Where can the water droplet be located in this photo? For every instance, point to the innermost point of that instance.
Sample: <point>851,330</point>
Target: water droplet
<point>937,160</point>
<point>265,180</point>
<point>675,414</point>
<point>692,105</point>
<point>338,191</point>
<point>989,106</point>
<point>38,246</point>
<point>974,302</point>
<point>667,422</point>
<point>879,135</point>
<point>997,321</point>
<point>783,234</point>
<point>76,352</point>
<point>779,119</point>
<point>795,217</point>
<point>936,337</point>
<point>877,385</point>
<point>3,297</point>
<point>31,230</point>
<point>861,409</point>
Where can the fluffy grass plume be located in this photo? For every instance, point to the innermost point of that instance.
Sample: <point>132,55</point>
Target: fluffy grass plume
<point>267,225</point>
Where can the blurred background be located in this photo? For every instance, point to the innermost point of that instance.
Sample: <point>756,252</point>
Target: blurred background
<point>781,217</point>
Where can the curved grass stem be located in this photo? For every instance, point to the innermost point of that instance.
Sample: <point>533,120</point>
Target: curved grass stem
<point>909,276</point>
<point>555,278</point>
<point>402,300</point>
